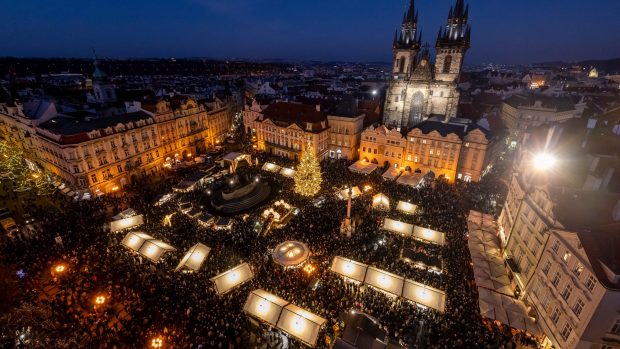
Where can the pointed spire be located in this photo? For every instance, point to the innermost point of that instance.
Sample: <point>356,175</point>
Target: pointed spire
<point>466,11</point>
<point>420,37</point>
<point>439,35</point>
<point>450,13</point>
<point>395,37</point>
<point>411,11</point>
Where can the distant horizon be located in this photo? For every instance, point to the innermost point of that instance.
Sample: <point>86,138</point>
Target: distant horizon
<point>523,32</point>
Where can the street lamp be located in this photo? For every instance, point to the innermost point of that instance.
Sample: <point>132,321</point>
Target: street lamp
<point>157,342</point>
<point>100,300</point>
<point>544,161</point>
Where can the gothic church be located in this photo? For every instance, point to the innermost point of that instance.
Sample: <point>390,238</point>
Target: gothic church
<point>420,88</point>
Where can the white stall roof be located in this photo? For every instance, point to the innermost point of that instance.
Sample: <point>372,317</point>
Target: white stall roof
<point>268,166</point>
<point>406,207</point>
<point>392,173</point>
<point>349,268</point>
<point>385,281</point>
<point>287,172</point>
<point>381,201</point>
<point>232,278</point>
<point>264,306</point>
<point>398,227</point>
<point>410,178</point>
<point>300,324</point>
<point>430,235</point>
<point>126,223</point>
<point>363,167</point>
<point>194,257</point>
<point>154,249</point>
<point>424,295</point>
<point>344,193</point>
<point>134,240</point>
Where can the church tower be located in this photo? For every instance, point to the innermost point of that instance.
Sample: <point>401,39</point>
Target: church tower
<point>103,90</point>
<point>452,43</point>
<point>406,45</point>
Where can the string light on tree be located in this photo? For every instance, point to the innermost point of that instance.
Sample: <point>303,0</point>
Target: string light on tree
<point>308,177</point>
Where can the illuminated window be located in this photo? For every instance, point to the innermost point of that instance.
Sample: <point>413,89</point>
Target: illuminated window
<point>578,269</point>
<point>566,256</point>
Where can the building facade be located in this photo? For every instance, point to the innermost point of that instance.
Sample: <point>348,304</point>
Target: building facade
<point>104,154</point>
<point>420,88</point>
<point>345,133</point>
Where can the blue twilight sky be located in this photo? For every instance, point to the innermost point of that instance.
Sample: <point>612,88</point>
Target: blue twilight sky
<point>517,31</point>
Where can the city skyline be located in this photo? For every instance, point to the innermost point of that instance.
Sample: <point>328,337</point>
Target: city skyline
<point>271,29</point>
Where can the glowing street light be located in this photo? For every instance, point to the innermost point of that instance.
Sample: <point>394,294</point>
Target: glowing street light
<point>544,161</point>
<point>60,268</point>
<point>100,300</point>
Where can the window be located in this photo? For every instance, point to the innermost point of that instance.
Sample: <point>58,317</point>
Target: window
<point>556,279</point>
<point>82,182</point>
<point>76,169</point>
<point>93,178</point>
<point>556,246</point>
<point>578,307</point>
<point>555,316</point>
<point>546,268</point>
<point>119,168</point>
<point>566,331</point>
<point>447,63</point>
<point>566,256</point>
<point>578,269</point>
<point>364,149</point>
<point>616,328</point>
<point>566,292</point>
<point>590,283</point>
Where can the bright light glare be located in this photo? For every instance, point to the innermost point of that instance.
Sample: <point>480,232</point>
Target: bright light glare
<point>544,161</point>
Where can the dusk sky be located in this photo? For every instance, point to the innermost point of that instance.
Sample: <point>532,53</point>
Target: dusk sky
<point>522,31</point>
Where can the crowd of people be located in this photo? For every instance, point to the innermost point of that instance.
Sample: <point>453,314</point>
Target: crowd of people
<point>145,301</point>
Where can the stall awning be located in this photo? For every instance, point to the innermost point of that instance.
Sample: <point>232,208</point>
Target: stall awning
<point>349,268</point>
<point>381,202</point>
<point>287,172</point>
<point>134,240</point>
<point>344,193</point>
<point>507,310</point>
<point>264,306</point>
<point>384,281</point>
<point>392,173</point>
<point>232,278</point>
<point>398,227</point>
<point>424,295</point>
<point>406,207</point>
<point>126,223</point>
<point>154,249</point>
<point>363,167</point>
<point>300,324</point>
<point>412,179</point>
<point>194,257</point>
<point>269,167</point>
<point>429,235</point>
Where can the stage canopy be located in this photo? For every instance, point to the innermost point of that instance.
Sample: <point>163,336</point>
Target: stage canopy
<point>363,167</point>
<point>424,295</point>
<point>194,257</point>
<point>392,173</point>
<point>398,227</point>
<point>154,249</point>
<point>349,268</point>
<point>264,306</point>
<point>134,240</point>
<point>268,166</point>
<point>300,324</point>
<point>410,178</point>
<point>126,223</point>
<point>381,202</point>
<point>385,281</point>
<point>291,253</point>
<point>232,278</point>
<point>429,235</point>
<point>344,193</point>
<point>287,172</point>
<point>406,207</point>
<point>507,310</point>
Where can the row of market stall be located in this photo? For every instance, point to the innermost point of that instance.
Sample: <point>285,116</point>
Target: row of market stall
<point>273,168</point>
<point>380,201</point>
<point>395,285</point>
<point>397,174</point>
<point>285,316</point>
<point>414,231</point>
<point>495,295</point>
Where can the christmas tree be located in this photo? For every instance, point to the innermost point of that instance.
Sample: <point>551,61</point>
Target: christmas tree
<point>308,177</point>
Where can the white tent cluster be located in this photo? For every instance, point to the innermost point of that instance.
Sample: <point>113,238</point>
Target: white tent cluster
<point>363,167</point>
<point>270,167</point>
<point>232,278</point>
<point>194,257</point>
<point>281,314</point>
<point>127,219</point>
<point>507,310</point>
<point>416,232</point>
<point>406,207</point>
<point>489,270</point>
<point>393,284</point>
<point>146,245</point>
<point>381,202</point>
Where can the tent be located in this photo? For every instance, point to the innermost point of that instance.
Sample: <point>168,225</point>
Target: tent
<point>126,223</point>
<point>135,240</point>
<point>384,281</point>
<point>424,295</point>
<point>344,193</point>
<point>412,179</point>
<point>125,214</point>
<point>300,324</point>
<point>154,249</point>
<point>194,257</point>
<point>264,306</point>
<point>406,207</point>
<point>205,218</point>
<point>363,167</point>
<point>232,278</point>
<point>287,172</point>
<point>291,253</point>
<point>429,235</point>
<point>270,167</point>
<point>397,227</point>
<point>381,202</point>
<point>392,173</point>
<point>507,310</point>
<point>349,268</point>
<point>162,199</point>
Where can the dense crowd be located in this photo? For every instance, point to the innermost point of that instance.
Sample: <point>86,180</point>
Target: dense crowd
<point>146,300</point>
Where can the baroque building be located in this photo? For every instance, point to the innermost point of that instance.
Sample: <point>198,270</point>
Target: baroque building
<point>419,87</point>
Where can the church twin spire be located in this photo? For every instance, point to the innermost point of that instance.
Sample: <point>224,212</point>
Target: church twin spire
<point>456,30</point>
<point>408,31</point>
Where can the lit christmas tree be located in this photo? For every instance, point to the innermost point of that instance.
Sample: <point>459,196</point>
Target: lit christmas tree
<point>308,177</point>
